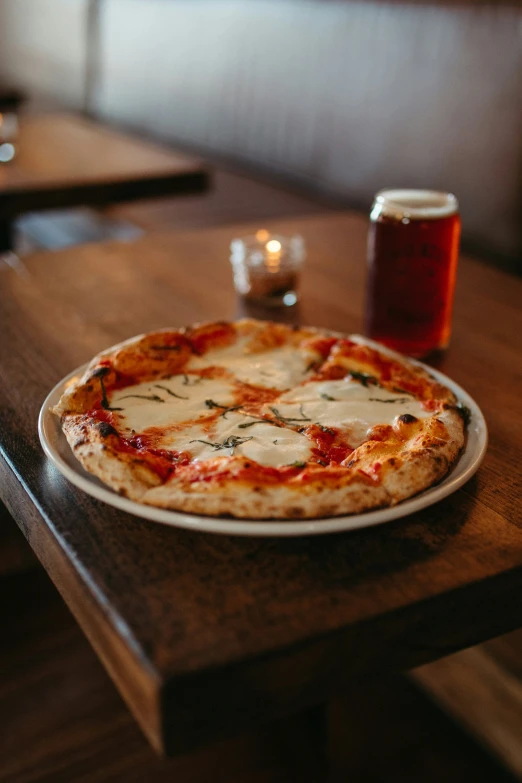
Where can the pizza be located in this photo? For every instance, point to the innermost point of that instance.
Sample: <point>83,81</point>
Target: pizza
<point>261,420</point>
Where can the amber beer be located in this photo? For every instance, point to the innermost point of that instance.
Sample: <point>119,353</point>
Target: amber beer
<point>413,250</point>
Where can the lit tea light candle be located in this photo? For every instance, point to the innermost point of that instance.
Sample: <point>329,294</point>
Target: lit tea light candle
<point>273,257</point>
<point>267,267</point>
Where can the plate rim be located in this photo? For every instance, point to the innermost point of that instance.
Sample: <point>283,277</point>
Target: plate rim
<point>278,527</point>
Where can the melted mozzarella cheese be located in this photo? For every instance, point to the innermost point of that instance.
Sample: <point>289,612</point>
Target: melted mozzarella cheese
<point>348,405</point>
<point>263,443</point>
<point>280,368</point>
<point>276,446</point>
<point>139,413</point>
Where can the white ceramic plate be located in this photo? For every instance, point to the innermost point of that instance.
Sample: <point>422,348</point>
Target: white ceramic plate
<point>57,449</point>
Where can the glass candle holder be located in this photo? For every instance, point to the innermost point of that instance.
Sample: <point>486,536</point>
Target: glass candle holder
<point>10,101</point>
<point>267,267</point>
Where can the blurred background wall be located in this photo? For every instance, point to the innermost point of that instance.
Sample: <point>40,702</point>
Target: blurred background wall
<point>343,97</point>
<point>43,46</point>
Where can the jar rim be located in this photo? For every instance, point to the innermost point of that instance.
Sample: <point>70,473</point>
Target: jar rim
<point>415,204</point>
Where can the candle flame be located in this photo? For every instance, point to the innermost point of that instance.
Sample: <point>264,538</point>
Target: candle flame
<point>273,246</point>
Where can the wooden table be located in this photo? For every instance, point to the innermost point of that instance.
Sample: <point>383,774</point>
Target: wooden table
<point>204,634</point>
<point>65,161</point>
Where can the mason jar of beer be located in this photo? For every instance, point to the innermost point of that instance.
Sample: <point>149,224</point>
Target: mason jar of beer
<point>413,248</point>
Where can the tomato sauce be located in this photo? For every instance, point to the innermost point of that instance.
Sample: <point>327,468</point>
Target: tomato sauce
<point>213,336</point>
<point>321,345</point>
<point>329,445</point>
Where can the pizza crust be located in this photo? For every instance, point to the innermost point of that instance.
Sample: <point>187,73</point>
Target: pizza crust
<point>94,444</point>
<point>402,462</point>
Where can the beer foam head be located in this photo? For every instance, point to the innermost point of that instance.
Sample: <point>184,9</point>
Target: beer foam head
<point>414,204</point>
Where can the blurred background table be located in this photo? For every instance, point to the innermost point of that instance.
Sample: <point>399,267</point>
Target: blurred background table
<point>206,634</point>
<point>64,160</point>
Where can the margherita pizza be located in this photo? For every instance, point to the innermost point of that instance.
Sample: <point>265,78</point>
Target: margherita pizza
<point>260,420</point>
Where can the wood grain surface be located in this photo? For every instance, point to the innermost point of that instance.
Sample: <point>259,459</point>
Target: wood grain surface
<point>63,722</point>
<point>202,633</point>
<point>63,160</point>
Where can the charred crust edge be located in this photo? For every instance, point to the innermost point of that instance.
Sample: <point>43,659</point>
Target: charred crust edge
<point>100,372</point>
<point>105,429</point>
<point>407,418</point>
